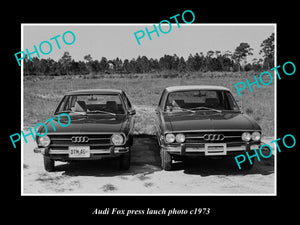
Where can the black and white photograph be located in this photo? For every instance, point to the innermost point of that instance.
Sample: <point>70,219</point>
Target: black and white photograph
<point>152,112</point>
<point>148,109</point>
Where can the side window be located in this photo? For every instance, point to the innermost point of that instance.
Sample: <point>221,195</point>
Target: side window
<point>232,102</point>
<point>62,105</point>
<point>72,101</point>
<point>127,102</point>
<point>161,99</point>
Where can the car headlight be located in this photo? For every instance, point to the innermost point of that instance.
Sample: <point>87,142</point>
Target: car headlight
<point>255,136</point>
<point>180,138</point>
<point>44,141</point>
<point>170,138</point>
<point>246,136</point>
<point>117,139</point>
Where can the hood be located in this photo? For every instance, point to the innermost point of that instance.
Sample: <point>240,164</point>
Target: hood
<point>87,123</point>
<point>203,120</point>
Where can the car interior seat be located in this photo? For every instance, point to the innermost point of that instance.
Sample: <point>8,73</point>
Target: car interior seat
<point>111,106</point>
<point>209,102</point>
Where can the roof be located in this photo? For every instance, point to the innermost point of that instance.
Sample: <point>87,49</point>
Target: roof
<point>95,91</point>
<point>196,87</point>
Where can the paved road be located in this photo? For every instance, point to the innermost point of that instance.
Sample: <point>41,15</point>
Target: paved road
<point>145,175</point>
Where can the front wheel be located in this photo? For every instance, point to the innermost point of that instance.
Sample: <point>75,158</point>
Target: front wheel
<point>166,160</point>
<point>49,164</point>
<point>125,160</point>
<point>247,165</point>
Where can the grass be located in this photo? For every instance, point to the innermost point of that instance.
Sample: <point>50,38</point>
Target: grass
<point>42,95</point>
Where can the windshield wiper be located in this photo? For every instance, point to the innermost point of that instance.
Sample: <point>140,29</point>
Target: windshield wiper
<point>206,108</point>
<point>183,109</point>
<point>64,111</point>
<point>72,112</point>
<point>100,111</point>
<point>77,113</point>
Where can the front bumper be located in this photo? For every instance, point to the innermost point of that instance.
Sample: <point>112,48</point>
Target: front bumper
<point>94,153</point>
<point>211,149</point>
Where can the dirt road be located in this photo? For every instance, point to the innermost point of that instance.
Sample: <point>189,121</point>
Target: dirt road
<point>145,175</point>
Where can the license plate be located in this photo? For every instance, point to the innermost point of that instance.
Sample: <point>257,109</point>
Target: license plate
<point>215,149</point>
<point>79,151</point>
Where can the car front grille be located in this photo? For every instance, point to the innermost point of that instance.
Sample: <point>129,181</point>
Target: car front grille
<point>229,137</point>
<point>95,141</point>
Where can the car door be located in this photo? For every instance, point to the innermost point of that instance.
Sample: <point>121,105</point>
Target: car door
<point>130,112</point>
<point>159,120</point>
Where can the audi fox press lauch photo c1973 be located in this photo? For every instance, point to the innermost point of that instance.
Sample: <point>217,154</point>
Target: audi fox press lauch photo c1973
<point>101,126</point>
<point>205,121</point>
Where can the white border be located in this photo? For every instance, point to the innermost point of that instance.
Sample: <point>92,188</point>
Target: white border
<point>275,108</point>
<point>22,113</point>
<point>163,194</point>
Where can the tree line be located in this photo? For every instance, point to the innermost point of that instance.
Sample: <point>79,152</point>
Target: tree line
<point>211,61</point>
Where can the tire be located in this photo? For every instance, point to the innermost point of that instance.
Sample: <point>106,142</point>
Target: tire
<point>49,164</point>
<point>130,143</point>
<point>246,165</point>
<point>125,160</point>
<point>166,160</point>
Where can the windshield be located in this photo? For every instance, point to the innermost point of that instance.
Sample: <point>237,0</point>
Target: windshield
<point>92,103</point>
<point>193,100</point>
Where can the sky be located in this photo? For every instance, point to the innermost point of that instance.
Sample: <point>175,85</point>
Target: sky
<point>118,40</point>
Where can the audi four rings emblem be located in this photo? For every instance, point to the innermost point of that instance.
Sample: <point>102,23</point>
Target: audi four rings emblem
<point>213,137</point>
<point>79,139</point>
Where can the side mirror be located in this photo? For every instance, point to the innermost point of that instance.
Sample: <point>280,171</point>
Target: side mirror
<point>131,112</point>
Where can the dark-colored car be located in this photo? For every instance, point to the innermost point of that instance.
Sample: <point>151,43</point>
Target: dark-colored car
<point>202,120</point>
<point>101,126</point>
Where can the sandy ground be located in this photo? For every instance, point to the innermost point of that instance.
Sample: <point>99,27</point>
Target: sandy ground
<point>218,176</point>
